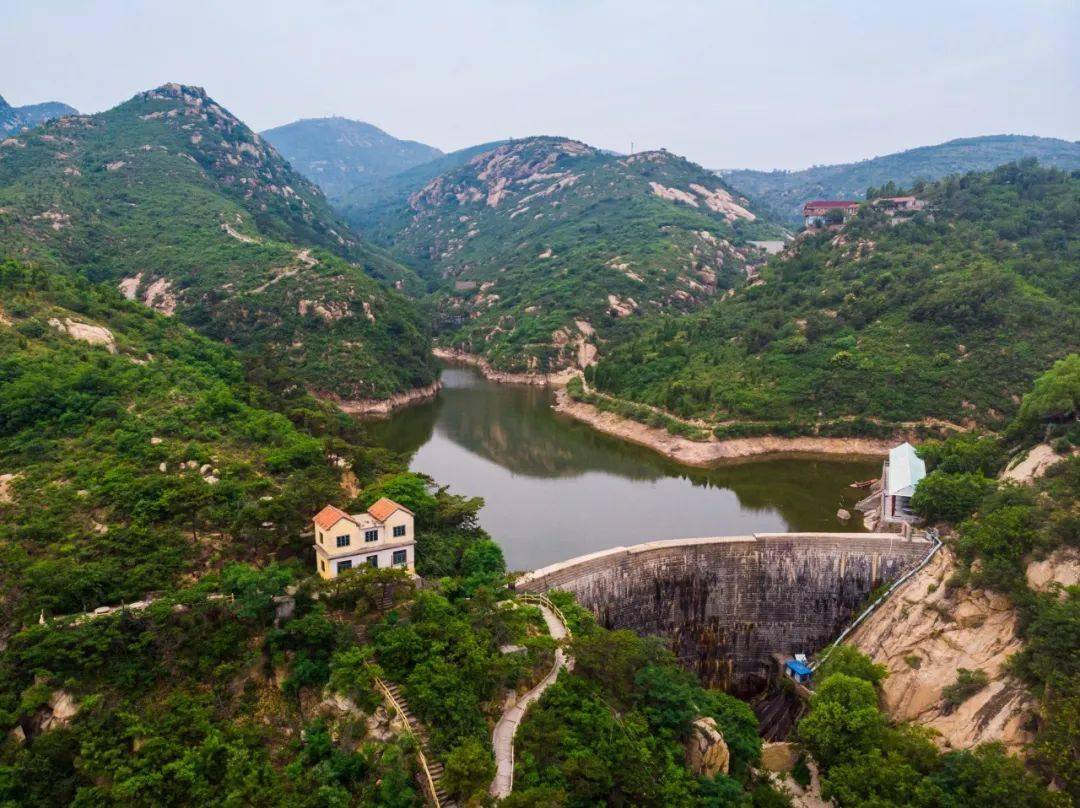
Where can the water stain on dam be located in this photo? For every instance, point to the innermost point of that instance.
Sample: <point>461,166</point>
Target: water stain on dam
<point>726,605</point>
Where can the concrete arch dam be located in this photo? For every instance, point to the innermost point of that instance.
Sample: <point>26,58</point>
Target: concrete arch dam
<point>726,604</point>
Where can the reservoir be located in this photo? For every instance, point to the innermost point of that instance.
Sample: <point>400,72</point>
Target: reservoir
<point>555,488</point>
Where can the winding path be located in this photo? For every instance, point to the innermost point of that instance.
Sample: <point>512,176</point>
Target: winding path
<point>502,739</point>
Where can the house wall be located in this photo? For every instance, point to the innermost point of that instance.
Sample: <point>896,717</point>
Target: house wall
<point>327,566</point>
<point>399,518</point>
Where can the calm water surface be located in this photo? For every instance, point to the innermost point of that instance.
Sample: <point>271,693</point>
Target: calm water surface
<point>555,488</point>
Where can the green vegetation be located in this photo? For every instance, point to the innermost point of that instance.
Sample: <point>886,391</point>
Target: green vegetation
<point>866,760</point>
<point>948,316</point>
<point>612,731</point>
<point>522,241</point>
<point>173,197</point>
<point>339,154</point>
<point>950,497</point>
<point>967,684</point>
<point>785,192</point>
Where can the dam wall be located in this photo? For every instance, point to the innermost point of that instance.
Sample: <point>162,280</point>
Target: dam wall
<point>726,604</point>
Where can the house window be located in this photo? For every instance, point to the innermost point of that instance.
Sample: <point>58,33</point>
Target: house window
<point>373,560</point>
<point>399,558</point>
<point>344,565</point>
<point>320,537</point>
<point>322,565</point>
<point>371,535</point>
<point>399,530</point>
<point>342,541</point>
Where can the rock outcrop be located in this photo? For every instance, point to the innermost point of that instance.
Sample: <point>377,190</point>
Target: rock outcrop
<point>925,633</point>
<point>707,753</point>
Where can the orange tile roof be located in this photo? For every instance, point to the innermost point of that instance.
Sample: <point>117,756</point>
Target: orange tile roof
<point>329,516</point>
<point>382,508</point>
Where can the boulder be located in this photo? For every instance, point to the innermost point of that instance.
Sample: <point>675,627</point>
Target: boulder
<point>706,751</point>
<point>843,515</point>
<point>61,709</point>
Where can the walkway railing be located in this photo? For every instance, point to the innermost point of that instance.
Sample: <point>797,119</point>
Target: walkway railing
<point>429,782</point>
<point>561,661</point>
<point>932,535</point>
<point>544,600</point>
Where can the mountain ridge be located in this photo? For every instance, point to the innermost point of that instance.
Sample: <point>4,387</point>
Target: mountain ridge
<point>173,199</point>
<point>784,191</point>
<point>339,153</point>
<point>538,248</point>
<point>17,119</point>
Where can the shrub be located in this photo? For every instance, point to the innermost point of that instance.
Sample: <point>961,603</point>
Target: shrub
<point>851,661</point>
<point>950,497</point>
<point>967,684</point>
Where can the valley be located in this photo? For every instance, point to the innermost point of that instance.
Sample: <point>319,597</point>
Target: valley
<point>625,382</point>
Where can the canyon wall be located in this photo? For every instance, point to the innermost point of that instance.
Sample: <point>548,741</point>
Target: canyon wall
<point>727,604</point>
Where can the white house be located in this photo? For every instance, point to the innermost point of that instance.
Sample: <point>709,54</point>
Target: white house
<point>381,536</point>
<point>899,476</point>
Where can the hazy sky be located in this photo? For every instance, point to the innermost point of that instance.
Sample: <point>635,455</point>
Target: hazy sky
<point>728,84</point>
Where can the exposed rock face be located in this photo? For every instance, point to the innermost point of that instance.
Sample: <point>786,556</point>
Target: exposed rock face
<point>93,334</point>
<point>59,711</point>
<point>7,495</point>
<point>1061,567</point>
<point>1032,465</point>
<point>923,635</point>
<point>726,604</point>
<point>707,753</point>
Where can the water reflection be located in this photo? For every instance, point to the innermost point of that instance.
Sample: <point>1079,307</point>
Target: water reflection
<point>555,488</point>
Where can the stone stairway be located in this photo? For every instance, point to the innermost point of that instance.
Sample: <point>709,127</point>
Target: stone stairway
<point>435,768</point>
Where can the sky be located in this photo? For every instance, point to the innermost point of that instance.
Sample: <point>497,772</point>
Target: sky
<point>753,84</point>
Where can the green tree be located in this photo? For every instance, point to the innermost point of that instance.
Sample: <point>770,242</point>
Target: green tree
<point>950,497</point>
<point>849,660</point>
<point>469,770</point>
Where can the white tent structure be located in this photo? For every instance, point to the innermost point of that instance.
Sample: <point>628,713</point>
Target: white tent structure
<point>902,473</point>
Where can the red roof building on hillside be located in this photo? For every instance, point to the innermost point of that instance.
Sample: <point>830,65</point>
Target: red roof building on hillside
<point>815,211</point>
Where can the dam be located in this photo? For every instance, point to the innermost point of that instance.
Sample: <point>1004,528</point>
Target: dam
<point>727,604</point>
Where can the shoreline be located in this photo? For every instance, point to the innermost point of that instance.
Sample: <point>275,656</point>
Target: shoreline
<point>383,407</point>
<point>501,376</point>
<point>705,454</point>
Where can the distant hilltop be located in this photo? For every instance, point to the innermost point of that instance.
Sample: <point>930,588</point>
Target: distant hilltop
<point>339,154</point>
<point>785,192</point>
<point>17,119</point>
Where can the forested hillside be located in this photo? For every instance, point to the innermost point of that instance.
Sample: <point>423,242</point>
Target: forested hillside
<point>173,200</point>
<point>339,154</point>
<point>139,462</point>
<point>947,316</point>
<point>541,246</point>
<point>784,192</point>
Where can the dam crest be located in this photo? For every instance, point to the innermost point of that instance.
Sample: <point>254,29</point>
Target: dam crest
<point>726,604</point>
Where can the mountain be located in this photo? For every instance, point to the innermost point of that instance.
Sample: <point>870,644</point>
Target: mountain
<point>360,205</point>
<point>16,119</point>
<point>538,249</point>
<point>175,201</point>
<point>338,154</point>
<point>785,191</point>
<point>948,315</point>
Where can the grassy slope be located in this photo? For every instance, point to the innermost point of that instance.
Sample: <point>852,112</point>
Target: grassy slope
<point>784,192</point>
<point>147,189</point>
<point>550,228</point>
<point>950,318</point>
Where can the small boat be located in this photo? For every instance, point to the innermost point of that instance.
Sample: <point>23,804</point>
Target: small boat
<point>863,483</point>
